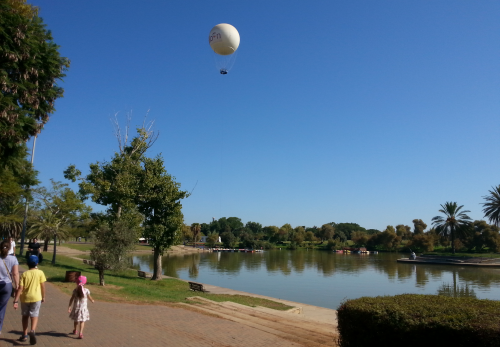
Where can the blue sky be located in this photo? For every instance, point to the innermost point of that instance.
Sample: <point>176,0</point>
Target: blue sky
<point>373,112</point>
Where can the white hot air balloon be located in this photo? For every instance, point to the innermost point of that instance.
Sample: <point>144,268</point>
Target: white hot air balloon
<point>224,40</point>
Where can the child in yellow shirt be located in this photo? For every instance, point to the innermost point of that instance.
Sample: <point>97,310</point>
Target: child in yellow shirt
<point>32,293</point>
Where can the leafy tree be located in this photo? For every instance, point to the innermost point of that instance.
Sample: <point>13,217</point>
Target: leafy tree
<point>299,235</point>
<point>61,207</point>
<point>235,223</point>
<point>212,240</point>
<point>285,232</point>
<point>30,66</point>
<point>115,184</point>
<point>11,218</point>
<point>45,225</point>
<point>299,229</point>
<point>229,240</point>
<point>419,226</point>
<point>222,225</point>
<point>248,240</point>
<point>159,200</point>
<point>272,232</point>
<point>195,231</point>
<point>341,236</point>
<point>455,222</point>
<point>259,235</point>
<point>81,228</point>
<point>254,226</point>
<point>360,238</point>
<point>334,244</point>
<point>483,235</point>
<point>16,176</point>
<point>492,205</point>
<point>215,227</point>
<point>421,243</point>
<point>327,232</point>
<point>403,231</point>
<point>310,236</point>
<point>205,228</point>
<point>347,228</point>
<point>113,239</point>
<point>227,228</point>
<point>435,236</point>
<point>389,239</point>
<point>187,234</point>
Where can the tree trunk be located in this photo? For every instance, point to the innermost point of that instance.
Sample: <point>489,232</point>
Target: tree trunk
<point>55,250</point>
<point>101,277</point>
<point>452,240</point>
<point>157,265</point>
<point>46,244</point>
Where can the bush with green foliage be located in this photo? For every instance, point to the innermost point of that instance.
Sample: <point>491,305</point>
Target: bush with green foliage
<point>419,320</point>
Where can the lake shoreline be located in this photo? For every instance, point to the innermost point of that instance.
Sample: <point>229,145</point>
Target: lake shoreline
<point>309,312</point>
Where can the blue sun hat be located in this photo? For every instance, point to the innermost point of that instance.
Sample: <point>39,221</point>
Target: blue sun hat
<point>33,260</point>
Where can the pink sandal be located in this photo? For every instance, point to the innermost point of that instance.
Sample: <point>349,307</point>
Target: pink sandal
<point>81,336</point>
<point>74,332</point>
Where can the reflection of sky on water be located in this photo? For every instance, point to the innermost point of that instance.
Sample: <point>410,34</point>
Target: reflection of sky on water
<point>322,278</point>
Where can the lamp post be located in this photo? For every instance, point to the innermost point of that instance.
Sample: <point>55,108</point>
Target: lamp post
<point>23,233</point>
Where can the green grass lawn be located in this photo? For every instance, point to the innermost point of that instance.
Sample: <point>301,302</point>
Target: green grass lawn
<point>125,286</point>
<point>79,246</point>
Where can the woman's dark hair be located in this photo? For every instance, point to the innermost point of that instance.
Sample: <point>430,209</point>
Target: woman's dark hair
<point>79,292</point>
<point>4,248</point>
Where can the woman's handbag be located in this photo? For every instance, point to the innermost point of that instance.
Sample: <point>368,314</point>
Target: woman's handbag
<point>13,294</point>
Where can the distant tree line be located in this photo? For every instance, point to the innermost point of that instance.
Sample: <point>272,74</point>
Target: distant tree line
<point>453,230</point>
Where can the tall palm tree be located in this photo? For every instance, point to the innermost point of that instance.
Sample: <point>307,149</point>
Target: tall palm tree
<point>492,206</point>
<point>455,221</point>
<point>195,228</point>
<point>11,219</point>
<point>49,225</point>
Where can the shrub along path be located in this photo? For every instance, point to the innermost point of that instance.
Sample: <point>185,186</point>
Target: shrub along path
<point>118,324</point>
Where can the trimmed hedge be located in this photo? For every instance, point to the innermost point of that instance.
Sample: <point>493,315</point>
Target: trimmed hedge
<point>419,320</point>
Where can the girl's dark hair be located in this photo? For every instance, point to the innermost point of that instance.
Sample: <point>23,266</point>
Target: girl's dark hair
<point>4,252</point>
<point>79,292</point>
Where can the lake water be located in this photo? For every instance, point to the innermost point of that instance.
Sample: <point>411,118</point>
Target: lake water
<point>324,279</point>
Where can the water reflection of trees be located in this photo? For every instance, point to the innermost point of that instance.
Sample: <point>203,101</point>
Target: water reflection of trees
<point>459,291</point>
<point>325,263</point>
<point>456,290</point>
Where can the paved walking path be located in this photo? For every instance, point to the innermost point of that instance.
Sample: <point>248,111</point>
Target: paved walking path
<point>113,324</point>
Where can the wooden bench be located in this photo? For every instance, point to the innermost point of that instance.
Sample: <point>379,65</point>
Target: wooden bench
<point>197,287</point>
<point>143,274</point>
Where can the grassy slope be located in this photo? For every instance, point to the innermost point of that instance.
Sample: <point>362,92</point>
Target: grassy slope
<point>79,246</point>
